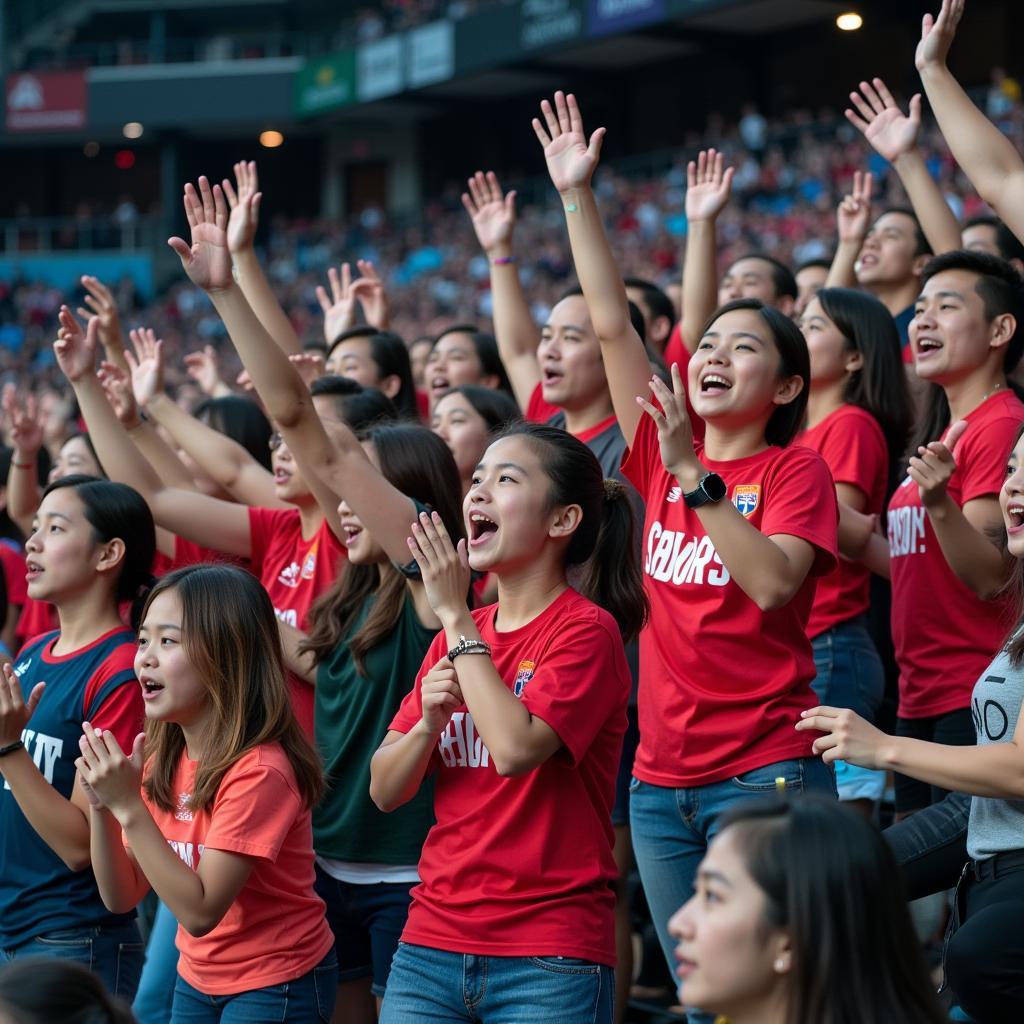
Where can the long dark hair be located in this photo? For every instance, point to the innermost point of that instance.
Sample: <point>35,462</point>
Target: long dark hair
<point>116,510</point>
<point>497,409</point>
<point>1001,288</point>
<point>1013,588</point>
<point>794,361</point>
<point>879,387</point>
<point>604,544</point>
<point>418,463</point>
<point>831,881</point>
<point>391,357</point>
<point>48,990</point>
<point>229,634</point>
<point>242,420</point>
<point>486,351</point>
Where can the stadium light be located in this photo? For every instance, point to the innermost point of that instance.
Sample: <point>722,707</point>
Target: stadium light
<point>132,130</point>
<point>849,22</point>
<point>271,139</point>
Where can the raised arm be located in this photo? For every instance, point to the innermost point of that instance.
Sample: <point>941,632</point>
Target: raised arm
<point>245,207</point>
<point>100,300</point>
<point>987,157</point>
<point>26,438</point>
<point>220,525</point>
<point>334,467</point>
<point>707,193</point>
<point>853,220</point>
<point>494,217</point>
<point>893,135</point>
<point>224,460</point>
<point>571,161</point>
<point>203,367</point>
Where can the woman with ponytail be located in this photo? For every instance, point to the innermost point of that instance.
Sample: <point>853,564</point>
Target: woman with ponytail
<point>90,549</point>
<point>518,712</point>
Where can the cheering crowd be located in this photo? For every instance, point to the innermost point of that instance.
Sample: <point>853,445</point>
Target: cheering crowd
<point>379,672</point>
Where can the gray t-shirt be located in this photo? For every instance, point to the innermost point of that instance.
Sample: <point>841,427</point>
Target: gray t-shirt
<point>996,825</point>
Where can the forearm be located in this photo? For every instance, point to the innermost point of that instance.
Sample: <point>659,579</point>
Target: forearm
<point>700,280</point>
<point>120,884</point>
<point>939,225</point>
<point>987,157</point>
<point>514,328</point>
<point>301,664</point>
<point>977,562</point>
<point>398,768</point>
<point>260,296</point>
<point>161,456</point>
<point>842,273</point>
<point>172,880</point>
<point>59,823</point>
<point>23,488</point>
<point>995,770</point>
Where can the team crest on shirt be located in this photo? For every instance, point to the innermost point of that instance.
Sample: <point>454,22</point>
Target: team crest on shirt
<point>183,812</point>
<point>523,675</point>
<point>309,565</point>
<point>289,575</point>
<point>746,498</point>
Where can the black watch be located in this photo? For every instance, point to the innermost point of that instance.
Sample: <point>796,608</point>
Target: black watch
<point>710,489</point>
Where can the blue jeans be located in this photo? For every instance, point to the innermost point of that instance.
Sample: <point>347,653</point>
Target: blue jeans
<point>431,986</point>
<point>156,988</point>
<point>850,675</point>
<point>672,829</point>
<point>112,952</point>
<point>305,1000</point>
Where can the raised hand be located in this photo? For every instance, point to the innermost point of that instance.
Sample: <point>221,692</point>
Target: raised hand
<point>309,364</point>
<point>934,465</point>
<point>440,696</point>
<point>372,296</point>
<point>937,35</point>
<point>854,214</point>
<point>117,385</point>
<point>74,348</point>
<point>571,159</point>
<point>204,368</point>
<point>340,306</point>
<point>100,301</point>
<point>890,132</point>
<point>493,214</point>
<point>708,186</point>
<point>113,777</point>
<point>24,423</point>
<point>675,431</point>
<point>146,363</point>
<point>14,711</point>
<point>207,261</point>
<point>245,206</point>
<point>444,567</point>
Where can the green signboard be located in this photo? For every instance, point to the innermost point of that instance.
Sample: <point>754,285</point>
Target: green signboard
<point>326,84</point>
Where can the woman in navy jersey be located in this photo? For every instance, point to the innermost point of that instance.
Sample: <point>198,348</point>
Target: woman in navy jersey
<point>91,548</point>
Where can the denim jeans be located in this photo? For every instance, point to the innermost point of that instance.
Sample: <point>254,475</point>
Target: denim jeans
<point>112,952</point>
<point>672,829</point>
<point>850,675</point>
<point>306,1000</point>
<point>931,845</point>
<point>156,987</point>
<point>431,986</point>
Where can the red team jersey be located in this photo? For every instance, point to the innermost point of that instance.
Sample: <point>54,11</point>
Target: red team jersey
<point>523,866</point>
<point>294,572</point>
<point>722,683</point>
<point>852,444</point>
<point>944,634</point>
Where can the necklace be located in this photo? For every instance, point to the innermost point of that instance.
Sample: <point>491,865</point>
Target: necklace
<point>989,394</point>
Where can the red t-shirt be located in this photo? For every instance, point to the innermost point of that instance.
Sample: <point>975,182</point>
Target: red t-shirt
<point>722,683</point>
<point>13,562</point>
<point>944,634</point>
<point>675,349</point>
<point>852,444</point>
<point>36,617</point>
<point>537,410</point>
<point>523,866</point>
<point>275,931</point>
<point>294,572</point>
<point>188,552</point>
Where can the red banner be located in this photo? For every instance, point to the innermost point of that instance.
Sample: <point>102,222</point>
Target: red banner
<point>48,101</point>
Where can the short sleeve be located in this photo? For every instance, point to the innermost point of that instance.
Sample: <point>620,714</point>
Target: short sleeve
<point>581,685</point>
<point>113,697</point>
<point>14,575</point>
<point>981,457</point>
<point>856,455</point>
<point>537,410</point>
<point>800,501</point>
<point>263,524</point>
<point>675,350</point>
<point>255,809</point>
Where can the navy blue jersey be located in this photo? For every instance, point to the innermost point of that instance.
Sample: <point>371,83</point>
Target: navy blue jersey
<point>38,892</point>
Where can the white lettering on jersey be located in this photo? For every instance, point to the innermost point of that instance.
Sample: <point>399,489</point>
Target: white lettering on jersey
<point>288,616</point>
<point>459,745</point>
<point>906,531</point>
<point>22,668</point>
<point>672,558</point>
<point>44,751</point>
<point>189,853</point>
<point>289,575</point>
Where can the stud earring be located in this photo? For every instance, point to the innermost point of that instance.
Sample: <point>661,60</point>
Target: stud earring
<point>780,965</point>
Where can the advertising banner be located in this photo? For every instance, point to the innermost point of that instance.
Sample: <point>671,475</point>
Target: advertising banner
<point>46,101</point>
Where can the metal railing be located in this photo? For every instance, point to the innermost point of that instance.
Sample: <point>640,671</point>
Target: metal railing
<point>25,235</point>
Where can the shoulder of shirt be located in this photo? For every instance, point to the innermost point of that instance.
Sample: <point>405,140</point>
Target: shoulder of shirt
<point>582,612</point>
<point>279,517</point>
<point>796,452</point>
<point>265,759</point>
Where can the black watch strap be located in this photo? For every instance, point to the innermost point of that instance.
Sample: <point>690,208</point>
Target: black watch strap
<point>11,748</point>
<point>709,490</point>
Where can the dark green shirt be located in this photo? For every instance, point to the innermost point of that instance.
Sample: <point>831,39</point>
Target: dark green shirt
<point>353,712</point>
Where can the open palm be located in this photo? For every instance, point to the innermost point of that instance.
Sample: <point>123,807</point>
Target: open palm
<point>570,158</point>
<point>890,132</point>
<point>492,212</point>
<point>207,261</point>
<point>147,365</point>
<point>708,186</point>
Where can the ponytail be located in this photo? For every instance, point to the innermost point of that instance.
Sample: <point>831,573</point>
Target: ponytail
<point>604,544</point>
<point>611,577</point>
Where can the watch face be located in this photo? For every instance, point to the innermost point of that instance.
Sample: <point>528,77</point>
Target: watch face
<point>714,487</point>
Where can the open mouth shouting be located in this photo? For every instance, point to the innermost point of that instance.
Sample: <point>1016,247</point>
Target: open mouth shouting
<point>150,688</point>
<point>1014,517</point>
<point>714,384</point>
<point>482,529</point>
